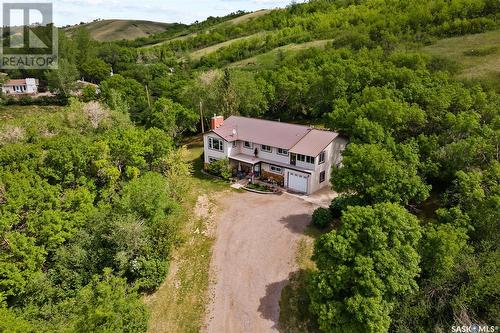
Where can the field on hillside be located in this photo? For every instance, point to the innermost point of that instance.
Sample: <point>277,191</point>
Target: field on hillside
<point>196,55</point>
<point>267,59</point>
<point>111,30</point>
<point>478,55</point>
<point>249,16</point>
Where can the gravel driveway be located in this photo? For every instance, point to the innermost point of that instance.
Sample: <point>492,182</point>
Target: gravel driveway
<point>253,257</point>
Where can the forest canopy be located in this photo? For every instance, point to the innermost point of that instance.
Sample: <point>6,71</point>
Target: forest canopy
<point>91,202</point>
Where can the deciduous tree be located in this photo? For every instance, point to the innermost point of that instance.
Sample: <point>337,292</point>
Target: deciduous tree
<point>364,267</point>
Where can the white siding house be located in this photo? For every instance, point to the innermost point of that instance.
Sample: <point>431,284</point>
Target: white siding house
<point>299,158</point>
<point>18,87</point>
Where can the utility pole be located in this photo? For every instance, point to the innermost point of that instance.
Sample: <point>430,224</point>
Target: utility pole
<point>201,117</point>
<point>147,93</point>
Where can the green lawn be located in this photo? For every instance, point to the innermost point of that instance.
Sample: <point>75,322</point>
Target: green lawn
<point>194,148</point>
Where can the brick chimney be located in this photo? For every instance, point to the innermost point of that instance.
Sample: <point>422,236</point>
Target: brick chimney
<point>216,121</point>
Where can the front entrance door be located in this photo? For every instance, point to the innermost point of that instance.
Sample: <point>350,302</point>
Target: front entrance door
<point>256,169</point>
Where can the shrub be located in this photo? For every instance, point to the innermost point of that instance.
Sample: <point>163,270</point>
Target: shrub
<point>481,52</point>
<point>352,39</point>
<point>221,168</point>
<point>341,203</point>
<point>89,93</point>
<point>321,217</point>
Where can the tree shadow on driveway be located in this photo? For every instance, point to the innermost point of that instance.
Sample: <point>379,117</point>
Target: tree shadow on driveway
<point>296,223</point>
<point>287,302</point>
<point>269,304</point>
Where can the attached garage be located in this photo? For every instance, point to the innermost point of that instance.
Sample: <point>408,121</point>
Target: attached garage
<point>298,182</point>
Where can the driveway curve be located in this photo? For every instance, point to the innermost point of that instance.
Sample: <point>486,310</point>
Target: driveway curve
<point>253,256</point>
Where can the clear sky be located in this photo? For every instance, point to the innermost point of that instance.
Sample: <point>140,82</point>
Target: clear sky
<point>184,11</point>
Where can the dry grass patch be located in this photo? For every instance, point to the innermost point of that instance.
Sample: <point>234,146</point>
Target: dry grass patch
<point>110,30</point>
<point>246,17</point>
<point>180,302</point>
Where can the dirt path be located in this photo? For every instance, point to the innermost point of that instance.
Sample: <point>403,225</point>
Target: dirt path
<point>252,260</point>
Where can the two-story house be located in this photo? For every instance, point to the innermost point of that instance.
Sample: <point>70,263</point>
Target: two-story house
<point>298,157</point>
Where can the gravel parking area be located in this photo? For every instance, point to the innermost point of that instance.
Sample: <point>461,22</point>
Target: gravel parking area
<point>253,257</point>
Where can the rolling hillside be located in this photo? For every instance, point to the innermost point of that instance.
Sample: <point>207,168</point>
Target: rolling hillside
<point>234,21</point>
<point>196,55</point>
<point>249,16</point>
<point>267,60</point>
<point>477,55</point>
<point>112,30</point>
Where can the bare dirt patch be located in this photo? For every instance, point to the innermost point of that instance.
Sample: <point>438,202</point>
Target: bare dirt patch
<point>253,258</point>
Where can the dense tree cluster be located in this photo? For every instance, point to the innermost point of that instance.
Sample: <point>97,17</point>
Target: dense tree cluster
<point>364,267</point>
<point>88,216</point>
<point>414,130</point>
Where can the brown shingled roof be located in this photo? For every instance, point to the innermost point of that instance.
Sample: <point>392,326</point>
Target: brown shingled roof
<point>314,142</point>
<point>264,132</point>
<point>15,82</point>
<point>298,139</point>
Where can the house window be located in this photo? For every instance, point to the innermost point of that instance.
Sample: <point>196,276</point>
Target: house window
<point>248,145</point>
<point>305,158</point>
<point>212,159</point>
<point>322,176</point>
<point>266,148</point>
<point>275,169</point>
<point>234,144</point>
<point>215,144</point>
<point>282,151</point>
<point>322,157</point>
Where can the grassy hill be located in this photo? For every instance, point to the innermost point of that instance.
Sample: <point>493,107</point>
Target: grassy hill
<point>249,16</point>
<point>268,59</point>
<point>477,55</point>
<point>196,55</point>
<point>192,31</point>
<point>111,30</point>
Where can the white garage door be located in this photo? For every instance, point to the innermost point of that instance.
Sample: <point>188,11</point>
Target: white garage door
<point>297,182</point>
